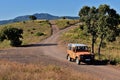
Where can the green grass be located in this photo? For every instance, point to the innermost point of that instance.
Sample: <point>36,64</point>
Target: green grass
<point>30,29</point>
<point>64,23</point>
<point>76,35</point>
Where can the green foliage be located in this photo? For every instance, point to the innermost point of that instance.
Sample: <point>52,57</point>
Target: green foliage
<point>84,11</point>
<point>39,34</point>
<point>107,25</point>
<point>115,61</point>
<point>32,17</point>
<point>12,34</point>
<point>100,22</point>
<point>24,22</point>
<point>89,16</point>
<point>33,29</point>
<point>63,17</point>
<point>16,42</point>
<point>81,27</point>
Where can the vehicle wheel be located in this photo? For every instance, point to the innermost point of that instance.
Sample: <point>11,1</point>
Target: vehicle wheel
<point>92,61</point>
<point>68,58</point>
<point>77,61</point>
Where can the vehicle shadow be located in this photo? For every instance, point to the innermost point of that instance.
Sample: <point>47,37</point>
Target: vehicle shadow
<point>101,62</point>
<point>96,62</point>
<point>38,45</point>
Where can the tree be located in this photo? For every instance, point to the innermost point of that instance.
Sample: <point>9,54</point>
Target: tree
<point>101,22</point>
<point>12,34</point>
<point>32,17</point>
<point>89,17</point>
<point>63,17</point>
<point>107,25</point>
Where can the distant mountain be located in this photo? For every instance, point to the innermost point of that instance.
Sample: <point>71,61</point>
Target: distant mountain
<point>39,16</point>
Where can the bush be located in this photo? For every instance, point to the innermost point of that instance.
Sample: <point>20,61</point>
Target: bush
<point>115,61</point>
<point>12,34</point>
<point>16,43</point>
<point>39,34</point>
<point>24,22</point>
<point>81,27</point>
<point>33,29</point>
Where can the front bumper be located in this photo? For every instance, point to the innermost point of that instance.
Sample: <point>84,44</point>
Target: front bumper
<point>86,58</point>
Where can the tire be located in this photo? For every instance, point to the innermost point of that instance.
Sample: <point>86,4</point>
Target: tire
<point>69,58</point>
<point>92,61</point>
<point>77,61</point>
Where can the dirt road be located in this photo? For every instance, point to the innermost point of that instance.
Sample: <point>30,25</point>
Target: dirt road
<point>50,51</point>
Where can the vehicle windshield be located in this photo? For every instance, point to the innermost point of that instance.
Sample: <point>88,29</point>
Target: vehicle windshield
<point>81,48</point>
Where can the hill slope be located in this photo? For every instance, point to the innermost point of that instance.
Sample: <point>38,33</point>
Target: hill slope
<point>33,31</point>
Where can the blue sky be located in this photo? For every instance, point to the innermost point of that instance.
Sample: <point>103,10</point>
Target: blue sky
<point>10,9</point>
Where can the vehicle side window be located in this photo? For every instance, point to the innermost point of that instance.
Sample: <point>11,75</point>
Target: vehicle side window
<point>69,47</point>
<point>81,48</point>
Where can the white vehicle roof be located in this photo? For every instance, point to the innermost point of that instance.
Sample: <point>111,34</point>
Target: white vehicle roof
<point>74,45</point>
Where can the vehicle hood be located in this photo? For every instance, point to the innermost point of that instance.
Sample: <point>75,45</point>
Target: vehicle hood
<point>83,53</point>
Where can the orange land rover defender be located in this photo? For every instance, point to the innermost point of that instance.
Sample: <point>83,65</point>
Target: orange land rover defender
<point>79,53</point>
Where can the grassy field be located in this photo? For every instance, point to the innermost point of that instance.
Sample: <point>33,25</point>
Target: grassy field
<point>64,23</point>
<point>31,31</point>
<point>18,71</point>
<point>76,35</point>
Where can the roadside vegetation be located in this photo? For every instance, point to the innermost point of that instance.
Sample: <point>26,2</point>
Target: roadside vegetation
<point>64,23</point>
<point>15,71</point>
<point>14,35</point>
<point>108,52</point>
<point>102,23</point>
<point>100,29</point>
<point>33,31</point>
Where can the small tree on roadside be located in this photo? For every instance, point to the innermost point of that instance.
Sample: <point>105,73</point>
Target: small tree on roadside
<point>101,22</point>
<point>89,17</point>
<point>107,25</point>
<point>12,34</point>
<point>32,17</point>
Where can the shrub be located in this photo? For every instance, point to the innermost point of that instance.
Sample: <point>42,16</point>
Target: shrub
<point>39,34</point>
<point>33,29</point>
<point>115,61</point>
<point>24,22</point>
<point>81,27</point>
<point>12,34</point>
<point>16,42</point>
<point>32,32</point>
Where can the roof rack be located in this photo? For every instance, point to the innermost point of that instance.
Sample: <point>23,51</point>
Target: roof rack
<point>74,44</point>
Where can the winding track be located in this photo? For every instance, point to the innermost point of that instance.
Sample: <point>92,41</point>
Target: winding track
<point>50,52</point>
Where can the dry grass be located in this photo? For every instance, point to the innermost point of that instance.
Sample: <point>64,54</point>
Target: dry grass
<point>18,71</point>
<point>30,29</point>
<point>64,23</point>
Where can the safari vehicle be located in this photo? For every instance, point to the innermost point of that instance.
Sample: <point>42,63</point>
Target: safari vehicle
<point>79,53</point>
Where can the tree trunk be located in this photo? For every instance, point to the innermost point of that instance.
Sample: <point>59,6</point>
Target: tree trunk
<point>93,41</point>
<point>99,48</point>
